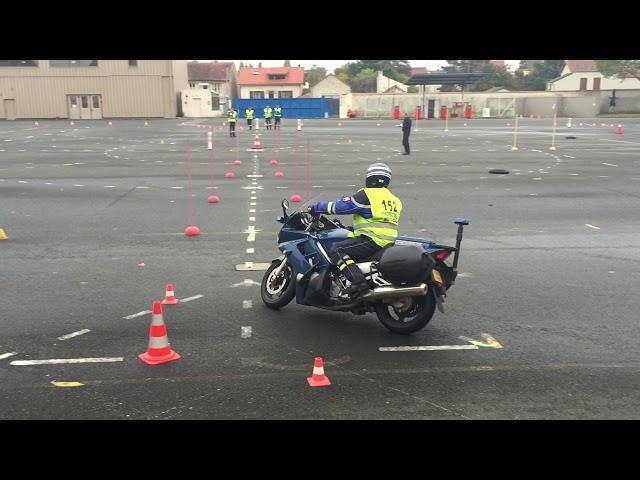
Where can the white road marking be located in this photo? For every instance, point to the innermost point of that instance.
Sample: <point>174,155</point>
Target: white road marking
<point>67,360</point>
<point>282,187</point>
<point>592,226</point>
<point>253,204</point>
<point>317,186</point>
<point>573,174</point>
<point>7,355</point>
<point>245,283</point>
<point>250,250</point>
<point>245,332</point>
<point>177,188</point>
<point>247,304</point>
<point>253,198</point>
<point>603,176</point>
<point>74,334</point>
<point>252,219</point>
<point>568,156</point>
<point>142,186</point>
<point>609,164</point>
<point>252,210</point>
<point>434,347</point>
<point>188,299</point>
<point>109,186</point>
<point>144,312</point>
<point>22,181</point>
<point>78,185</point>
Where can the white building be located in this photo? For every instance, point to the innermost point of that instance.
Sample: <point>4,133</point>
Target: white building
<point>583,75</point>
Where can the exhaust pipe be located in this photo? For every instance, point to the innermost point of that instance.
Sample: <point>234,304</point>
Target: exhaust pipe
<point>383,293</point>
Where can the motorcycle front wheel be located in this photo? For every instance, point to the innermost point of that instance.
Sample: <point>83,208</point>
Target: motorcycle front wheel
<point>278,290</point>
<point>408,318</point>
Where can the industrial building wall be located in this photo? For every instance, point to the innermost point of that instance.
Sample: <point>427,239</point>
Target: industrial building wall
<point>148,90</point>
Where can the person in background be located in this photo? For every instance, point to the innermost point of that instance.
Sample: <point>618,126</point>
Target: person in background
<point>406,131</point>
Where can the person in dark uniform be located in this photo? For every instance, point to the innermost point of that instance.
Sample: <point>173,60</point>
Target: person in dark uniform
<point>612,101</point>
<point>233,116</point>
<point>406,131</point>
<point>376,214</point>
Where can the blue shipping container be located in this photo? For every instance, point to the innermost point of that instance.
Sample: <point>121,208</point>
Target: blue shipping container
<point>291,107</point>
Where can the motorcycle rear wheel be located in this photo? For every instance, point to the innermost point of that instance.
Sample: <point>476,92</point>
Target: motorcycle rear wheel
<point>413,319</point>
<point>283,294</point>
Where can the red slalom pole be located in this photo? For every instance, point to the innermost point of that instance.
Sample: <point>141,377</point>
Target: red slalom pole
<point>212,161</point>
<point>191,230</point>
<point>296,183</point>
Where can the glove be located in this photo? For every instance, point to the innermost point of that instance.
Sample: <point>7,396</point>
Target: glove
<point>312,210</point>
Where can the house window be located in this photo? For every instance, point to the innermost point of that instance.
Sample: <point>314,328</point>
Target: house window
<point>596,83</point>
<point>256,94</point>
<point>73,63</point>
<point>277,76</point>
<point>272,94</point>
<point>192,84</point>
<point>18,63</point>
<point>133,63</point>
<point>215,102</point>
<point>85,101</point>
<point>74,101</point>
<point>583,84</point>
<point>96,101</point>
<point>285,94</point>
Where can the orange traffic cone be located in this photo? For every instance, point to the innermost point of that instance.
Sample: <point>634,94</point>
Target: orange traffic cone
<point>318,379</point>
<point>256,143</point>
<point>159,350</point>
<point>169,298</point>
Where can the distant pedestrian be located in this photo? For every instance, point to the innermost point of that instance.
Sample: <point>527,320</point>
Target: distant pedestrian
<point>612,101</point>
<point>233,116</point>
<point>249,114</point>
<point>406,131</point>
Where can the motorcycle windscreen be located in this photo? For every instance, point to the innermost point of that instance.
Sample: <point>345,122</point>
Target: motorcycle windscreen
<point>405,265</point>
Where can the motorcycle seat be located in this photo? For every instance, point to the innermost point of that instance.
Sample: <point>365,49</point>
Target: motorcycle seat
<point>373,258</point>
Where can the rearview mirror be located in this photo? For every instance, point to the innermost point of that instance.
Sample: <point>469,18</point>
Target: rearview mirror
<point>285,207</point>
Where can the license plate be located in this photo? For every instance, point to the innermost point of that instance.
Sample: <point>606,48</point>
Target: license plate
<point>436,276</point>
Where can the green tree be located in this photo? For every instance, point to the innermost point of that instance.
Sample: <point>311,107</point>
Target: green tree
<point>287,63</point>
<point>619,68</point>
<point>364,81</point>
<point>314,75</point>
<point>465,66</point>
<point>541,73</point>
<point>399,70</point>
<point>495,77</point>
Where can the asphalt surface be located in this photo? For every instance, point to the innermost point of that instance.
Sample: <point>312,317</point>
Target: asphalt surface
<point>95,217</point>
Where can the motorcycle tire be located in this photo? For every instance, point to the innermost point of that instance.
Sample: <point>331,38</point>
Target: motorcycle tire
<point>418,315</point>
<point>277,301</point>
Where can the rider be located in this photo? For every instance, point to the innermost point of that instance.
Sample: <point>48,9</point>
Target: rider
<point>376,213</point>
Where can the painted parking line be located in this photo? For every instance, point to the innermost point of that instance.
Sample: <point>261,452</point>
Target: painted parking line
<point>74,334</point>
<point>67,360</point>
<point>7,355</point>
<point>139,314</point>
<point>188,299</point>
<point>411,348</point>
<point>592,226</point>
<point>66,384</point>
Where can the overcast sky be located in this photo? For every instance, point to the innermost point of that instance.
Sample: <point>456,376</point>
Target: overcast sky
<point>331,65</point>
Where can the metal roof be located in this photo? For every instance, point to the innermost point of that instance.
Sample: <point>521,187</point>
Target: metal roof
<point>445,78</point>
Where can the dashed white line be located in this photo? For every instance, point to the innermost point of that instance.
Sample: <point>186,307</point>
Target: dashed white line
<point>74,334</point>
<point>245,332</point>
<point>609,164</point>
<point>250,250</point>
<point>247,303</point>
<point>252,210</point>
<point>252,219</point>
<point>592,226</point>
<point>411,348</point>
<point>109,186</point>
<point>7,355</point>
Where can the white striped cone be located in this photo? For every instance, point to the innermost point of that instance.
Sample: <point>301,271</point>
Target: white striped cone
<point>169,298</point>
<point>318,379</point>
<point>159,350</point>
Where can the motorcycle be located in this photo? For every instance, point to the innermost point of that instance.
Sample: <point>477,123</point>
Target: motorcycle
<point>407,280</point>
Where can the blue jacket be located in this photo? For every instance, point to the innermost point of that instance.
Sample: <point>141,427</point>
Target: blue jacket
<point>358,203</point>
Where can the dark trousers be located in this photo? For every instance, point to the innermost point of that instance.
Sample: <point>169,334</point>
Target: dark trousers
<point>250,122</point>
<point>232,129</point>
<point>405,142</point>
<point>277,124</point>
<point>267,122</point>
<point>347,253</point>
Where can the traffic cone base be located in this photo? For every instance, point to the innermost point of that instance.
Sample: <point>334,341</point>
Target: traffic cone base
<point>153,360</point>
<point>192,231</point>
